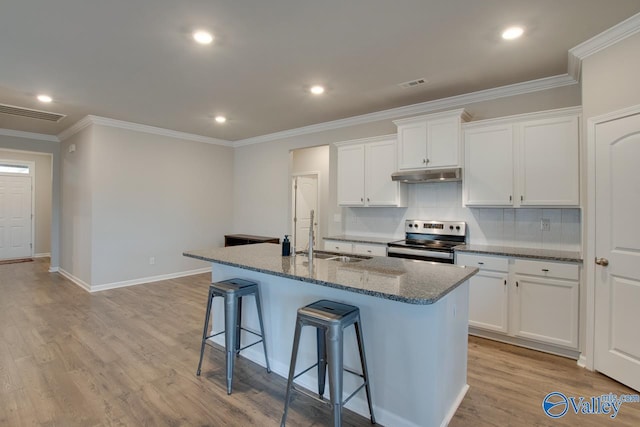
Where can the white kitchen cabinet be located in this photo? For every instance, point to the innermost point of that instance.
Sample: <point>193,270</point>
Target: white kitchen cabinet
<point>338,246</point>
<point>546,301</point>
<point>488,173</point>
<point>370,249</point>
<point>488,292</point>
<point>533,303</point>
<point>525,160</point>
<point>549,162</point>
<point>364,173</point>
<point>431,141</point>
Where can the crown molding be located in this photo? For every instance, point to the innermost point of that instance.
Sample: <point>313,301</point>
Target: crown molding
<point>29,135</point>
<point>121,124</point>
<point>366,140</point>
<point>421,108</point>
<point>605,39</point>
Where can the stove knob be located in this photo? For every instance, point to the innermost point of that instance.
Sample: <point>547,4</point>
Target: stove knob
<point>451,227</point>
<point>457,227</point>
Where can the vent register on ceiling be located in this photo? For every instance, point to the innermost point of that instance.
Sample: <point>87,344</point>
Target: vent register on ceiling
<point>31,113</point>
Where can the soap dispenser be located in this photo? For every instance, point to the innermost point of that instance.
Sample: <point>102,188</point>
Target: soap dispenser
<point>286,246</point>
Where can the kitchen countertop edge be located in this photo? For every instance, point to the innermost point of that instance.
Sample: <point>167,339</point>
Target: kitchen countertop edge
<point>362,239</point>
<point>542,254</point>
<point>392,297</point>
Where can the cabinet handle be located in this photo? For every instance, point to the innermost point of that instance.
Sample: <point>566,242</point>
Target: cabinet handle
<point>522,198</point>
<point>546,270</point>
<point>505,282</point>
<point>424,161</point>
<point>368,200</point>
<point>517,285</point>
<point>480,263</point>
<point>510,198</point>
<point>369,250</point>
<point>361,199</point>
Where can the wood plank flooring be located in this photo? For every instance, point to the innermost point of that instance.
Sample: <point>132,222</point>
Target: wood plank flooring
<point>127,357</point>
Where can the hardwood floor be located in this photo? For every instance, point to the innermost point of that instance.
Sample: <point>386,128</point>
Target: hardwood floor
<point>127,357</point>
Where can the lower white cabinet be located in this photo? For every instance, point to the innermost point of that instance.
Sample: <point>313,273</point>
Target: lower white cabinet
<point>370,249</point>
<point>527,302</point>
<point>545,306</point>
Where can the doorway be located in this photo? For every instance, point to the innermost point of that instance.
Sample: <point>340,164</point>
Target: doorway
<point>305,199</point>
<point>616,268</point>
<point>16,210</point>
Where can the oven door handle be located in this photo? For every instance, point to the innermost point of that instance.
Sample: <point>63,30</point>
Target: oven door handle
<point>420,252</point>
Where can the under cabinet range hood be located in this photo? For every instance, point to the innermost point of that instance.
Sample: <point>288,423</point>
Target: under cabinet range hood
<point>428,175</point>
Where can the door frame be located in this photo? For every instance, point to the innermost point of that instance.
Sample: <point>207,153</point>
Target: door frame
<point>587,358</point>
<point>32,175</point>
<point>293,204</point>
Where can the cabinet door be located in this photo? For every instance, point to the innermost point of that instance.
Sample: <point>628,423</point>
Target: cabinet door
<point>488,175</point>
<point>351,175</point>
<point>380,190</point>
<point>412,145</point>
<point>488,301</point>
<point>549,162</point>
<point>369,249</point>
<point>338,246</point>
<point>546,310</point>
<point>443,142</point>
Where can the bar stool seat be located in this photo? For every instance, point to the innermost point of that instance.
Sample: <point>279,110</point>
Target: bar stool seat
<point>232,290</point>
<point>330,318</point>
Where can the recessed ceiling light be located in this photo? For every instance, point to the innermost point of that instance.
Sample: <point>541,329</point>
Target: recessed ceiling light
<point>220,119</point>
<point>512,33</point>
<point>317,90</point>
<point>202,37</point>
<point>44,98</point>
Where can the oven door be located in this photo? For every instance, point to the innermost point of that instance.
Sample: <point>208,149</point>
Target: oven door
<point>420,254</point>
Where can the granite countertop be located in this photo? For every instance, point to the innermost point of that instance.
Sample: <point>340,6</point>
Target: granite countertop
<point>544,254</point>
<point>363,239</point>
<point>412,282</point>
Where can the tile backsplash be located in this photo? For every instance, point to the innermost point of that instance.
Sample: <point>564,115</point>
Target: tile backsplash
<point>519,227</point>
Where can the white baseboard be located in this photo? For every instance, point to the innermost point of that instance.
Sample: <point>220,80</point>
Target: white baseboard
<point>454,407</point>
<point>151,279</point>
<point>582,361</point>
<point>84,285</point>
<point>43,255</point>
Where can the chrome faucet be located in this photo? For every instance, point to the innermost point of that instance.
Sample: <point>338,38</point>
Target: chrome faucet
<point>311,237</point>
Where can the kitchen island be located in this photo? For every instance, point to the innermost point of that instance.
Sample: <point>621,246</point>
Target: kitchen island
<point>414,320</point>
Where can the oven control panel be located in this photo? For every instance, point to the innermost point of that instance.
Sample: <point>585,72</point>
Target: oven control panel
<point>444,228</point>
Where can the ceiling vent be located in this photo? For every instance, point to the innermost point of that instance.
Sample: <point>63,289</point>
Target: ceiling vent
<point>32,114</point>
<point>413,83</point>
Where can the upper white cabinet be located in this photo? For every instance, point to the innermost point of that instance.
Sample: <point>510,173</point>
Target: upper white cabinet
<point>364,173</point>
<point>431,141</point>
<point>526,160</point>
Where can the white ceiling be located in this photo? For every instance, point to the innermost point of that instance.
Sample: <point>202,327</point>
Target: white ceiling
<point>134,60</point>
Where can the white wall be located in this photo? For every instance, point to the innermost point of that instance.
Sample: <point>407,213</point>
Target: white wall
<point>261,171</point>
<point>43,188</point>
<point>154,196</point>
<point>77,183</point>
<point>52,149</point>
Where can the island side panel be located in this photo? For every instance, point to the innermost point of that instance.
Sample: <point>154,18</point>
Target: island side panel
<point>416,354</point>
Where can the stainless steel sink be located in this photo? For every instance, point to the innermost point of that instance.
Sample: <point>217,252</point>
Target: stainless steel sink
<point>335,256</point>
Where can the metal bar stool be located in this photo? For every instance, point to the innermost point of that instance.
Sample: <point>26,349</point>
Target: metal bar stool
<point>232,291</point>
<point>330,319</point>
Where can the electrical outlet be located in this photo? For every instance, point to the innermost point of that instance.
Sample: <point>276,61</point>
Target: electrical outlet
<point>545,224</point>
<point>152,260</point>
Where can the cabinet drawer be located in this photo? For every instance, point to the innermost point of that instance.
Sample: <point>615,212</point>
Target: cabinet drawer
<point>373,250</point>
<point>338,246</point>
<point>484,262</point>
<point>558,270</point>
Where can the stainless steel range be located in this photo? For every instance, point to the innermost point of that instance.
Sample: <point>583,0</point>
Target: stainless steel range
<point>429,240</point>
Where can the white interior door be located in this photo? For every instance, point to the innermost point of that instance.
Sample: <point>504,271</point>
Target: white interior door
<point>305,199</point>
<point>617,278</point>
<point>15,217</point>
